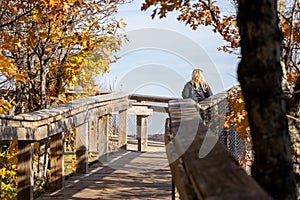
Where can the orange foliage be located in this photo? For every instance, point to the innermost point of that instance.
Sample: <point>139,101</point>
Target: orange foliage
<point>238,115</point>
<point>199,13</point>
<point>286,30</point>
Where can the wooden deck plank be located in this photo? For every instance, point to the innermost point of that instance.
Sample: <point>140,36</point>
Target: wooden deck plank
<point>127,175</point>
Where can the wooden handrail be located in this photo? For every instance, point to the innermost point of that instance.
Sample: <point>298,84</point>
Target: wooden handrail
<point>157,99</point>
<point>67,109</point>
<point>48,122</point>
<point>201,166</point>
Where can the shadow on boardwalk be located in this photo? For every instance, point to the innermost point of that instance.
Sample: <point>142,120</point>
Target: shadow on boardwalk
<point>127,175</point>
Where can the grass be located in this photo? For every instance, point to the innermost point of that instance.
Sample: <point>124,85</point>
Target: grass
<point>70,162</point>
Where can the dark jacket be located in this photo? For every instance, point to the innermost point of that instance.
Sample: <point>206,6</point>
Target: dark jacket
<point>189,92</point>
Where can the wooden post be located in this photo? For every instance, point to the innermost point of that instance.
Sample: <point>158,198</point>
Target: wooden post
<point>103,137</point>
<point>56,162</point>
<point>142,126</point>
<point>93,136</point>
<point>81,148</point>
<point>122,129</point>
<point>25,170</point>
<point>142,113</point>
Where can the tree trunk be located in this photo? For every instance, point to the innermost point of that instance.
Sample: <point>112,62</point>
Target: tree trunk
<point>259,74</point>
<point>293,111</point>
<point>281,6</point>
<point>43,77</point>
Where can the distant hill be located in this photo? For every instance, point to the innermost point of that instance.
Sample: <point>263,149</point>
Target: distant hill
<point>153,137</point>
<point>157,137</point>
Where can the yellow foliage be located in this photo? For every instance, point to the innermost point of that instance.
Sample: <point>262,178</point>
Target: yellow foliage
<point>69,139</point>
<point>8,170</point>
<point>5,106</point>
<point>55,37</point>
<point>234,23</point>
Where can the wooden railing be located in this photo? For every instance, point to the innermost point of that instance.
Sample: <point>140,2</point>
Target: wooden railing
<point>143,106</point>
<point>213,175</point>
<point>85,115</point>
<point>201,166</point>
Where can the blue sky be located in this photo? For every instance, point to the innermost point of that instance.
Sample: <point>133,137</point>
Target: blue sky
<point>161,54</point>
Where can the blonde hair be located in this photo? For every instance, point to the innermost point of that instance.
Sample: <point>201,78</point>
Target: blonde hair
<point>198,80</point>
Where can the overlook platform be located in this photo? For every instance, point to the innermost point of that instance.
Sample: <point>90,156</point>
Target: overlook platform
<point>199,156</point>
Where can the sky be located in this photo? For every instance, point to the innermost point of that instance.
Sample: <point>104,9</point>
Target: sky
<point>160,57</point>
<point>161,53</point>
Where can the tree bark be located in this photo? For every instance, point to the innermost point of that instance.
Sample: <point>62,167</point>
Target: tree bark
<point>259,74</point>
<point>293,111</point>
<point>43,77</point>
<point>281,6</point>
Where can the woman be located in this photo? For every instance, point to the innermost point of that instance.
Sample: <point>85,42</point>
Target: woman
<point>196,89</point>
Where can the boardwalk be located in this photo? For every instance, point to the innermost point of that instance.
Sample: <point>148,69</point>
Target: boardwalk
<point>127,175</point>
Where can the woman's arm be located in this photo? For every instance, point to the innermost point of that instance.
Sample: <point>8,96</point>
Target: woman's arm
<point>186,92</point>
<point>208,93</point>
